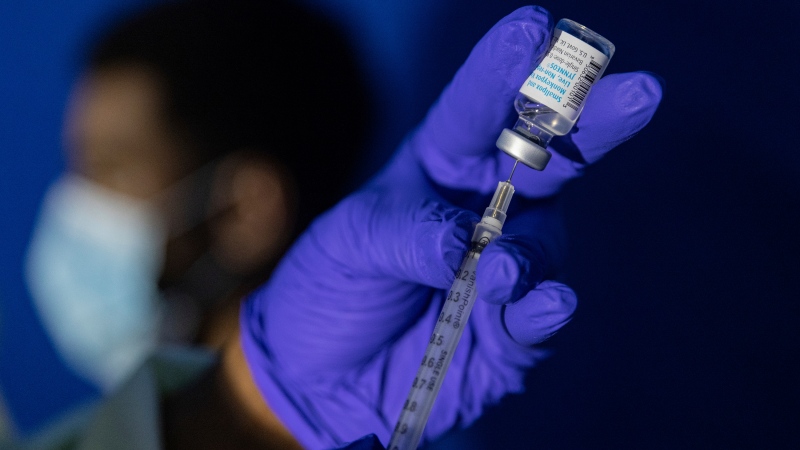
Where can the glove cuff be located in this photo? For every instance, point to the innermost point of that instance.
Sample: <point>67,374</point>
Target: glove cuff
<point>260,363</point>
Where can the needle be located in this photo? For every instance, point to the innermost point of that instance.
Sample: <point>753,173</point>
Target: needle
<point>512,171</point>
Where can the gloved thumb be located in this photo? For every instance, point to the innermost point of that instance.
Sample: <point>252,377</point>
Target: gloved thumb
<point>381,233</point>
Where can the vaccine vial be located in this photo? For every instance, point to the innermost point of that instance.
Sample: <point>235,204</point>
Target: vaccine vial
<point>553,96</point>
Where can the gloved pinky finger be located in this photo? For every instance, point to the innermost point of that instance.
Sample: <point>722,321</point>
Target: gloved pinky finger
<point>540,313</point>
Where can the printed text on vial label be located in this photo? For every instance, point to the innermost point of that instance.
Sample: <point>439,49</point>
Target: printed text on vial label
<point>563,78</point>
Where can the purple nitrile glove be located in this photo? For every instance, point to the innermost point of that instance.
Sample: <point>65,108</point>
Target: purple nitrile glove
<point>334,339</point>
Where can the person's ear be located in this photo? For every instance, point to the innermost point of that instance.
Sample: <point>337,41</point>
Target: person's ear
<point>258,213</point>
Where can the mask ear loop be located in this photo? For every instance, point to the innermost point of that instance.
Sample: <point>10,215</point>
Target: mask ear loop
<point>193,193</point>
<point>205,283</point>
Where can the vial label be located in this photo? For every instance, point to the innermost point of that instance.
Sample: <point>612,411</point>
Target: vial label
<point>563,78</point>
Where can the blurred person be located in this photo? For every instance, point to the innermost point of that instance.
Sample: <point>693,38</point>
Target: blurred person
<point>201,137</point>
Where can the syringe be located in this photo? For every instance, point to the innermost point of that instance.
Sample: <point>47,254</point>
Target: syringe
<point>450,325</point>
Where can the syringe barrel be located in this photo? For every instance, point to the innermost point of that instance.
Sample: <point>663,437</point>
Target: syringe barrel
<point>449,327</point>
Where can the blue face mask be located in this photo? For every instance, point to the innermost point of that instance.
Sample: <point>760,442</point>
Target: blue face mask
<point>92,269</point>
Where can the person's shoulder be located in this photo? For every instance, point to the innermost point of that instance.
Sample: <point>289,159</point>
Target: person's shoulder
<point>134,408</point>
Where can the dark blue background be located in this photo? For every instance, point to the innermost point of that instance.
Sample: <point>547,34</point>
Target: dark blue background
<point>684,247</point>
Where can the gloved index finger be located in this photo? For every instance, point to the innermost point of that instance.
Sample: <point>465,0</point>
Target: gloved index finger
<point>460,130</point>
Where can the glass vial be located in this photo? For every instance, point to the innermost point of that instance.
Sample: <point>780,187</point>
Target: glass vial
<point>553,96</point>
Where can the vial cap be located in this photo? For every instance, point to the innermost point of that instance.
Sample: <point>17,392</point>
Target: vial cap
<point>523,150</point>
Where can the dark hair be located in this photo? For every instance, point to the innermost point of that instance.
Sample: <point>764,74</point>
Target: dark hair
<point>265,76</point>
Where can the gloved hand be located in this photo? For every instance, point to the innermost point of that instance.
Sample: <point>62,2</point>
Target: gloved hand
<point>334,339</point>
